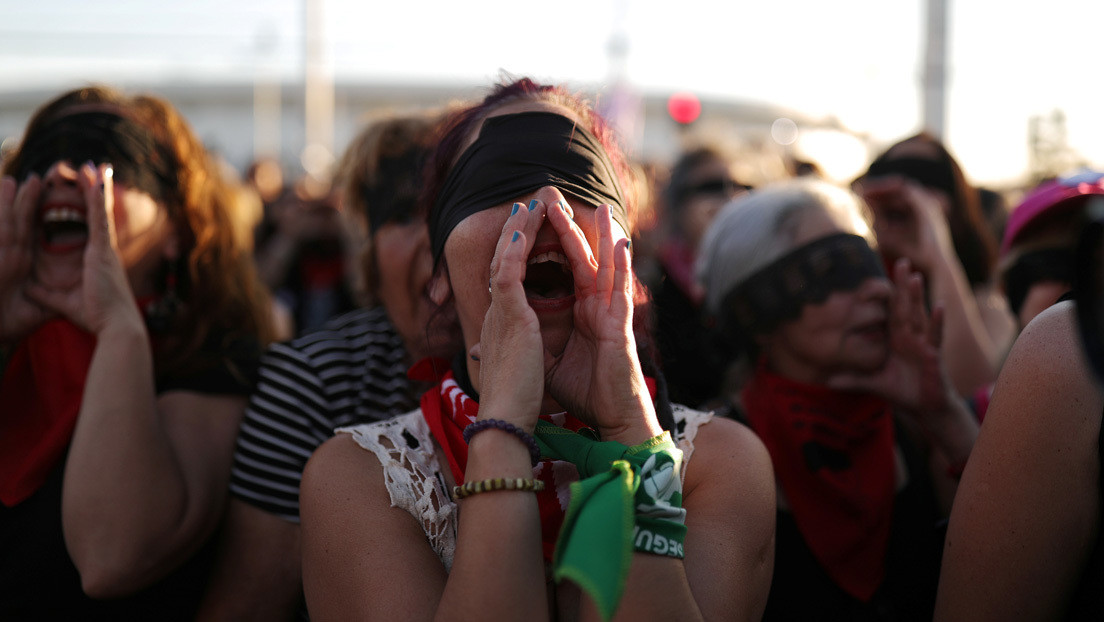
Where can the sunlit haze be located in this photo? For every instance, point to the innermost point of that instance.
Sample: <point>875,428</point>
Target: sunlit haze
<point>856,60</point>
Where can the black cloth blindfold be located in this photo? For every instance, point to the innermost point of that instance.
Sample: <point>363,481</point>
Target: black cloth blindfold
<point>807,275</point>
<point>1046,264</point>
<point>101,137</point>
<point>929,173</point>
<point>517,154</point>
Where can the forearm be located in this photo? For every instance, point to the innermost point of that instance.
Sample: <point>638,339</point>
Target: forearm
<point>498,572</point>
<point>258,572</point>
<point>657,589</point>
<point>124,497</point>
<point>976,355</point>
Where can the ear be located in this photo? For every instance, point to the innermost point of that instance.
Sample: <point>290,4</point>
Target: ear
<point>440,288</point>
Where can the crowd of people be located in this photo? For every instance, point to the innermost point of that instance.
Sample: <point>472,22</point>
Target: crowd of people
<point>458,380</point>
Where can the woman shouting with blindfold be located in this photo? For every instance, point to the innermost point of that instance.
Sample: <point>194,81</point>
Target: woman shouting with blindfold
<point>131,324</point>
<point>546,476</point>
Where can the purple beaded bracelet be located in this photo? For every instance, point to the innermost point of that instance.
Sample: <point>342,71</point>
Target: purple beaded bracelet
<point>505,426</point>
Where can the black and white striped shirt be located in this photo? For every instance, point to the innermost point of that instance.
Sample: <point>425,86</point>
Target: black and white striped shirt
<point>350,371</point>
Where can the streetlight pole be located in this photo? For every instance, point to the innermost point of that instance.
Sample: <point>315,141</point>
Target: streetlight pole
<point>934,80</point>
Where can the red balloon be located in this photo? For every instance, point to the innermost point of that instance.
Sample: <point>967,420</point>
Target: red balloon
<point>684,107</point>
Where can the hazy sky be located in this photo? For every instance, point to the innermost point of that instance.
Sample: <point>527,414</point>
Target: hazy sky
<point>858,60</point>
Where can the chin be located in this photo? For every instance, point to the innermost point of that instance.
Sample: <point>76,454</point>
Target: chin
<point>59,271</point>
<point>555,338</point>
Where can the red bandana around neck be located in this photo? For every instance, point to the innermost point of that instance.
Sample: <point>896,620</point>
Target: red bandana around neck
<point>40,398</point>
<point>448,410</point>
<point>833,455</point>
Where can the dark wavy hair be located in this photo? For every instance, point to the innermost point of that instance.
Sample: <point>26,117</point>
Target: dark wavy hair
<point>218,284</point>
<point>974,241</point>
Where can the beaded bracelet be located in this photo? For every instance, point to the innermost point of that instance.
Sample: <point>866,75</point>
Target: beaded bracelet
<point>505,426</point>
<point>468,489</point>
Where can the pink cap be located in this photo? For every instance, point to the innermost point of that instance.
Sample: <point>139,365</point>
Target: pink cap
<point>1049,199</point>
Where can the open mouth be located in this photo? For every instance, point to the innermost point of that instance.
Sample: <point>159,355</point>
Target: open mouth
<point>548,277</point>
<point>873,330</point>
<point>63,228</point>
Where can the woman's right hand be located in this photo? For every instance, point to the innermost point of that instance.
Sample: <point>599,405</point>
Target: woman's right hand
<point>511,350</point>
<point>19,315</point>
<point>909,221</point>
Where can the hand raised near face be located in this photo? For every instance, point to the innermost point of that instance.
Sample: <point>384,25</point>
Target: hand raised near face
<point>510,350</point>
<point>909,221</point>
<point>914,376</point>
<point>19,314</point>
<point>598,375</point>
<point>102,297</point>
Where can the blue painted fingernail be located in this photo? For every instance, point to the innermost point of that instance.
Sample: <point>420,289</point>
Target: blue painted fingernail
<point>517,206</point>
<point>628,245</point>
<point>517,234</point>
<point>532,205</point>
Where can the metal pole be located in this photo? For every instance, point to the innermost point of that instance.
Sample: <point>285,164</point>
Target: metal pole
<point>934,80</point>
<point>319,93</point>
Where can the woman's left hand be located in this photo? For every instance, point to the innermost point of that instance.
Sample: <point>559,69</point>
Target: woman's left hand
<point>102,298</point>
<point>913,377</point>
<point>598,375</point>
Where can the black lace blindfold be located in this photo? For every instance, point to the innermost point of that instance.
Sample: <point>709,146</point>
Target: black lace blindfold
<point>101,137</point>
<point>517,154</point>
<point>806,275</point>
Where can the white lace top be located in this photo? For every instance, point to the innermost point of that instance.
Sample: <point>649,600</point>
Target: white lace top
<point>405,448</point>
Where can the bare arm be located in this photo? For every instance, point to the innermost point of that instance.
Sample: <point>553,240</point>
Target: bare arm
<point>146,477</point>
<point>1026,514</point>
<point>365,560</point>
<point>258,573</point>
<point>730,519</point>
<point>909,222</point>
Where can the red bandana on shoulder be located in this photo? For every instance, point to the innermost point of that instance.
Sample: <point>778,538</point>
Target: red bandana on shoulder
<point>448,410</point>
<point>40,398</point>
<point>833,456</point>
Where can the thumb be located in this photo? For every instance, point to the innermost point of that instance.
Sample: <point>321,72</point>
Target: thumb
<point>100,200</point>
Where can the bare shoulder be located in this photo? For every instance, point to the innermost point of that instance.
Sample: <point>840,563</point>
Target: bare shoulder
<point>340,466</point>
<point>1045,383</point>
<point>729,496</point>
<point>356,546</point>
<point>725,446</point>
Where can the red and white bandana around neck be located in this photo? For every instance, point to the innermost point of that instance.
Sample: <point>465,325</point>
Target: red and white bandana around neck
<point>448,410</point>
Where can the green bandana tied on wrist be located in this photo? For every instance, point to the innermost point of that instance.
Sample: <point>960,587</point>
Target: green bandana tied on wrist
<point>626,498</point>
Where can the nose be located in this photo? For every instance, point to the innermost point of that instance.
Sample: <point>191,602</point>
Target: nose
<point>62,173</point>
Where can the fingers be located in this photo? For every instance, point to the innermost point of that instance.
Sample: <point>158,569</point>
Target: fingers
<point>605,275</point>
<point>935,332</point>
<point>621,299</point>
<point>908,309</point>
<point>511,253</point>
<point>17,208</point>
<point>100,202</point>
<point>579,256</point>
